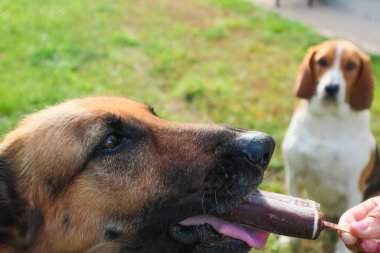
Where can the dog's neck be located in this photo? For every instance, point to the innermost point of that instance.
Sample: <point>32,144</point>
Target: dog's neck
<point>321,119</point>
<point>326,108</point>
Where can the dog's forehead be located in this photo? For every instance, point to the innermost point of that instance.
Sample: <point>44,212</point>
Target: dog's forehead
<point>89,110</point>
<point>329,50</point>
<point>114,105</point>
<point>350,53</point>
<point>77,118</point>
<point>88,115</point>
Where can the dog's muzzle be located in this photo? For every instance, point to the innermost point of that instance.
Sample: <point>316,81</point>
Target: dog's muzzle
<point>254,151</point>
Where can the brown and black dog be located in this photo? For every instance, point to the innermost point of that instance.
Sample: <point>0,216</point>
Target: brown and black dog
<point>106,174</point>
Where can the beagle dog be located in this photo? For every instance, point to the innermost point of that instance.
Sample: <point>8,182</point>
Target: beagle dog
<point>329,149</point>
<point>106,174</point>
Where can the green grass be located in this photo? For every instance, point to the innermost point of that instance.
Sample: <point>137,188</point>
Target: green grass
<point>222,61</point>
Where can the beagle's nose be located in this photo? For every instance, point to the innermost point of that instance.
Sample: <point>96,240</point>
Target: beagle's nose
<point>257,147</point>
<point>332,89</point>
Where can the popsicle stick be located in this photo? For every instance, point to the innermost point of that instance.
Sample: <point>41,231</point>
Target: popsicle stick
<point>340,228</point>
<point>335,227</point>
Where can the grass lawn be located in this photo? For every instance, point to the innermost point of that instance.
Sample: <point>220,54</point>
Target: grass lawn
<point>222,61</point>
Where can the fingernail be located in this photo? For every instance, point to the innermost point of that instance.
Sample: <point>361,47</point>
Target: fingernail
<point>361,225</point>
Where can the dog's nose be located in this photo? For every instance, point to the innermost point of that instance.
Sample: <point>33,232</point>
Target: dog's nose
<point>332,89</point>
<point>257,147</point>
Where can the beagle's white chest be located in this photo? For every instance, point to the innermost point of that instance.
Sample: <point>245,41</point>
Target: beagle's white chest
<point>325,155</point>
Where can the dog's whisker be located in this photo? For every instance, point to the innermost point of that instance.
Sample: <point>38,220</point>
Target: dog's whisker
<point>230,193</point>
<point>216,199</point>
<point>203,207</point>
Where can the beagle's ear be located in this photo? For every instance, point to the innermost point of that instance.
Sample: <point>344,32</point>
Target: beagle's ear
<point>18,222</point>
<point>306,82</point>
<point>362,90</point>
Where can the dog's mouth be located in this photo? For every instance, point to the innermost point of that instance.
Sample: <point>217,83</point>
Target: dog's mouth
<point>213,226</point>
<point>196,226</point>
<point>332,98</point>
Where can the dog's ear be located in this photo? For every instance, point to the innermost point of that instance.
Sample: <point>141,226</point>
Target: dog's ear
<point>18,222</point>
<point>306,82</point>
<point>362,90</point>
<point>9,201</point>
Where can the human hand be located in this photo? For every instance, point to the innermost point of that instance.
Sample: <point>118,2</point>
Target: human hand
<point>363,222</point>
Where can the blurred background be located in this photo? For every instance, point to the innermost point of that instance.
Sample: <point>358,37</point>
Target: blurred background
<point>202,61</point>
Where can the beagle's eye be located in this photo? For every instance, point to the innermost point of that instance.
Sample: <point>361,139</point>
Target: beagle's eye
<point>350,66</point>
<point>322,62</point>
<point>110,142</point>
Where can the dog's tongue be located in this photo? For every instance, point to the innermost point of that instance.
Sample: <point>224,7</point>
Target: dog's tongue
<point>253,237</point>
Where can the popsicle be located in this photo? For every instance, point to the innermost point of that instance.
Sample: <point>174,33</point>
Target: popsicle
<point>281,214</point>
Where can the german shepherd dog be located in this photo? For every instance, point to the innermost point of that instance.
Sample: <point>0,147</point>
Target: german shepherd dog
<point>106,174</point>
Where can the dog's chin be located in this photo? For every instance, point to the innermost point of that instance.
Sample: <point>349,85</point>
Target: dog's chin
<point>204,238</point>
<point>212,233</point>
<point>207,231</point>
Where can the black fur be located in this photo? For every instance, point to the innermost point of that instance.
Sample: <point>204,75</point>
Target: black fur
<point>112,234</point>
<point>10,203</point>
<point>66,222</point>
<point>373,182</point>
<point>18,223</point>
<point>56,186</point>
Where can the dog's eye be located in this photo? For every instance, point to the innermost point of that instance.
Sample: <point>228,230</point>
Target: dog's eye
<point>322,62</point>
<point>111,141</point>
<point>350,66</point>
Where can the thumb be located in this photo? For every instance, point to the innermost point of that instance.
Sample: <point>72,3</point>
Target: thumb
<point>369,227</point>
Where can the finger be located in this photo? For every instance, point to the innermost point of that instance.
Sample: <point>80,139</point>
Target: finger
<point>348,238</point>
<point>369,227</point>
<point>359,212</point>
<point>357,248</point>
<point>369,245</point>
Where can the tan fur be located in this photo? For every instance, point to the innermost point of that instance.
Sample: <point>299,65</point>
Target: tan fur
<point>306,82</point>
<point>367,172</point>
<point>30,145</point>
